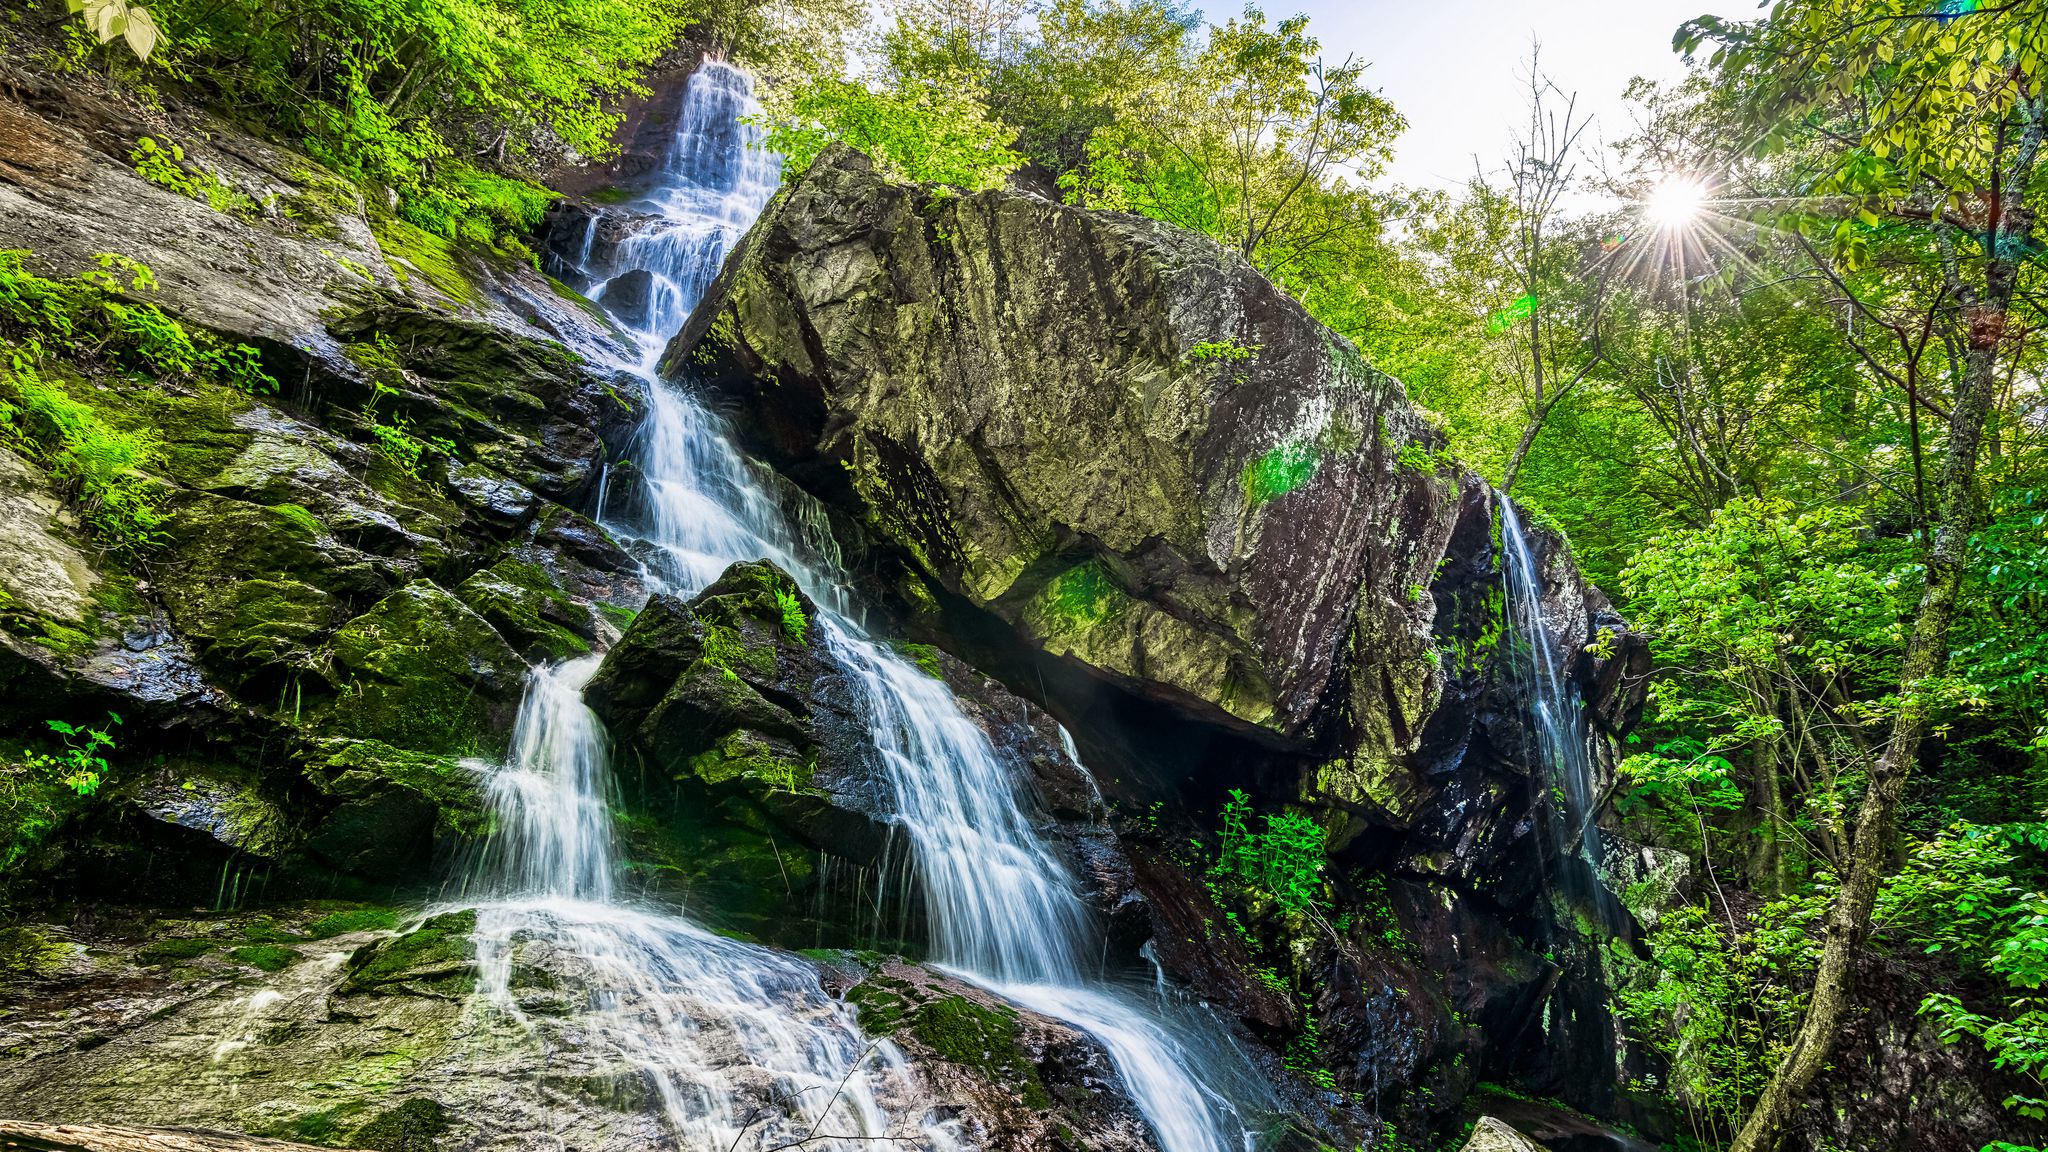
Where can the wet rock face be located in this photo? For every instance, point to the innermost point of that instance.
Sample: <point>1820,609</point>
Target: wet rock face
<point>1110,433</point>
<point>355,569</point>
<point>742,741</point>
<point>1015,1080</point>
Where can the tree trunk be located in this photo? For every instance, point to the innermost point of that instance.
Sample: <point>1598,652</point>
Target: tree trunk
<point>1848,918</point>
<point>1529,430</point>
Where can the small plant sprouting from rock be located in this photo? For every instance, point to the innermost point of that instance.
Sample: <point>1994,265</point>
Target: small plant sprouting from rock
<point>165,167</point>
<point>795,623</point>
<point>1224,351</point>
<point>1286,859</point>
<point>1416,458</point>
<point>80,765</point>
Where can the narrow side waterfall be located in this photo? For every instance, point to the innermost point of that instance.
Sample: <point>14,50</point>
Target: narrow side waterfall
<point>1004,910</point>
<point>1561,734</point>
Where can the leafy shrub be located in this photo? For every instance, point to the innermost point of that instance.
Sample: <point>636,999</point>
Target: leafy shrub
<point>1286,859</point>
<point>80,765</point>
<point>392,92</point>
<point>924,130</point>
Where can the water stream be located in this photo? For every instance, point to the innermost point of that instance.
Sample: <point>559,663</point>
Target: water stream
<point>722,1027</point>
<point>1563,740</point>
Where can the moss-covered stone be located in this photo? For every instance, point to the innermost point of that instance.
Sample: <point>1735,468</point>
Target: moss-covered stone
<point>412,1126</point>
<point>1043,380</point>
<point>437,959</point>
<point>525,605</point>
<point>422,670</point>
<point>27,952</point>
<point>265,957</point>
<point>174,950</point>
<point>390,805</point>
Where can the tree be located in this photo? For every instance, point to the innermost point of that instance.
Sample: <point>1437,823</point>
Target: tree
<point>1935,121</point>
<point>1554,357</point>
<point>1256,145</point>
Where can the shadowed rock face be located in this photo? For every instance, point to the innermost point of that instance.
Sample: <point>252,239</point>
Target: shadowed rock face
<point>1111,433</point>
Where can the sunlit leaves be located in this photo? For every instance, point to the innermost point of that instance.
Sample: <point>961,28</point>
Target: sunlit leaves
<point>110,18</point>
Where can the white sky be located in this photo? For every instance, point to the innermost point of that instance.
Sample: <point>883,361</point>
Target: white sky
<point>1456,68</point>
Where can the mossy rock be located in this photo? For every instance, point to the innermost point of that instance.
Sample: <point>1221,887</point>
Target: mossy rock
<point>391,806</point>
<point>529,609</point>
<point>421,670</point>
<point>27,952</point>
<point>255,591</point>
<point>436,959</point>
<point>175,950</point>
<point>979,1036</point>
<point>412,1126</point>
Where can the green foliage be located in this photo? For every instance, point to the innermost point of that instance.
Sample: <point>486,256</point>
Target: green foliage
<point>1228,351</point>
<point>1285,860</point>
<point>1721,1001</point>
<point>927,130</point>
<point>795,624</point>
<point>166,168</point>
<point>398,93</point>
<point>80,765</point>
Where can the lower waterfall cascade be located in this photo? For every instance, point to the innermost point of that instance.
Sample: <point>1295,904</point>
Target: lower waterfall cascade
<point>720,1025</point>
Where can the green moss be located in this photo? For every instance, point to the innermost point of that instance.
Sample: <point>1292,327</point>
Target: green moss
<point>981,1038</point>
<point>268,957</point>
<point>354,767</point>
<point>368,919</point>
<point>26,952</point>
<point>298,516</point>
<point>1280,471</point>
<point>748,754</point>
<point>621,618</point>
<point>173,949</point>
<point>925,657</point>
<point>880,1008</point>
<point>1084,595</point>
<point>417,671</point>
<point>524,604</point>
<point>431,257</point>
<point>410,1127</point>
<point>438,956</point>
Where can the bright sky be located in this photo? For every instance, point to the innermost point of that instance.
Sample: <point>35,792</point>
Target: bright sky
<point>1457,68</point>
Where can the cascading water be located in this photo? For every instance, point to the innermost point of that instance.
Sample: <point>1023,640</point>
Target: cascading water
<point>1003,908</point>
<point>736,1041</point>
<point>1560,725</point>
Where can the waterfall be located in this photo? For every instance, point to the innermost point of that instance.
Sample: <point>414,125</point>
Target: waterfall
<point>1005,912</point>
<point>1562,738</point>
<point>738,1043</point>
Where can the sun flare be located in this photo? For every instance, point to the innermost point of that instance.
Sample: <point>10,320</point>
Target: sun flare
<point>1675,202</point>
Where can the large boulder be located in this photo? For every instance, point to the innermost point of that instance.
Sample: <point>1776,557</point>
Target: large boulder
<point>1111,433</point>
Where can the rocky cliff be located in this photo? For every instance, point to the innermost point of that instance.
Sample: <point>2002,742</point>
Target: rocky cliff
<point>1100,469</point>
<point>1104,458</point>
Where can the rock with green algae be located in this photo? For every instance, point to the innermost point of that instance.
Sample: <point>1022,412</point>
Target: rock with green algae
<point>1112,433</point>
<point>749,745</point>
<point>1027,1081</point>
<point>421,670</point>
<point>438,958</point>
<point>390,810</point>
<point>523,602</point>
